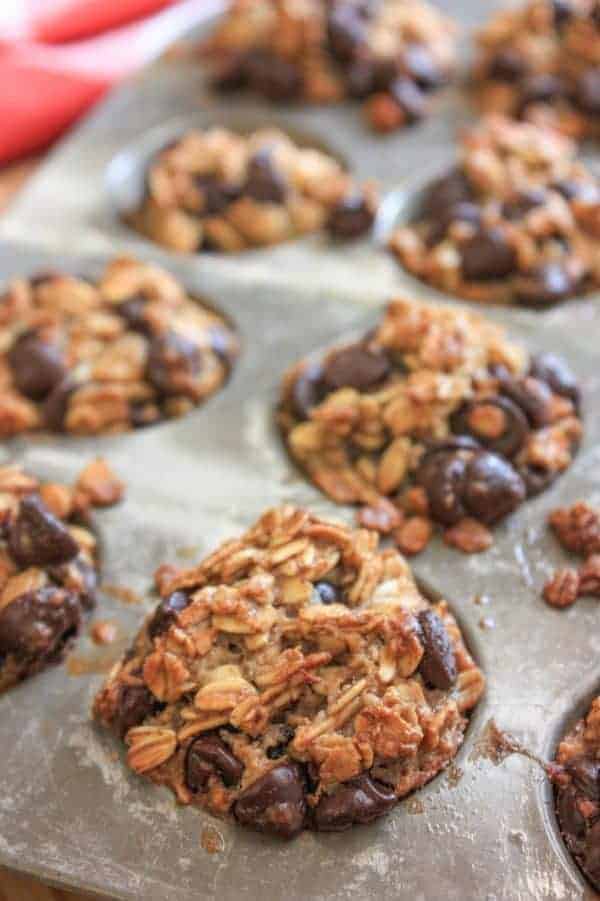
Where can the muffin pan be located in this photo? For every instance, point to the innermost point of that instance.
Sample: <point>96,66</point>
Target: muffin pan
<point>69,811</point>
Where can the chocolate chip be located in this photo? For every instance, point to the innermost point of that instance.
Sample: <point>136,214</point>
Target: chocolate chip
<point>438,663</point>
<point>458,212</point>
<point>545,285</point>
<point>166,613</point>
<point>135,703</point>
<point>541,88</point>
<point>275,803</point>
<point>346,30</point>
<point>487,255</point>
<point>512,424</point>
<point>410,98</point>
<point>588,91</point>
<point>533,396</point>
<point>442,475</point>
<point>272,76</point>
<point>132,311</point>
<point>508,65</point>
<point>56,404</point>
<point>571,821</point>
<point>445,192</point>
<point>562,11</point>
<point>585,775</point>
<point>207,755</point>
<point>556,373</point>
<point>38,538</point>
<point>356,367</point>
<point>350,218</point>
<point>328,592</point>
<point>263,182</point>
<point>308,390</point>
<point>216,196</point>
<point>421,65</point>
<point>359,801</point>
<point>37,366</point>
<point>39,624</point>
<point>493,488</point>
<point>523,203</point>
<point>172,362</point>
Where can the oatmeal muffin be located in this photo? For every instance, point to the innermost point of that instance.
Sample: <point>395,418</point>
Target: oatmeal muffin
<point>541,61</point>
<point>296,678</point>
<point>517,221</point>
<point>576,777</point>
<point>392,54</point>
<point>103,357</point>
<point>48,565</point>
<point>224,191</point>
<point>432,417</point>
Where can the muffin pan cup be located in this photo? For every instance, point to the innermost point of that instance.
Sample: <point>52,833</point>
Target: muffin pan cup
<point>70,811</point>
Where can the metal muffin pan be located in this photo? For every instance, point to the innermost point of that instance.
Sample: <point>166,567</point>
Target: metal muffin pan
<point>70,812</point>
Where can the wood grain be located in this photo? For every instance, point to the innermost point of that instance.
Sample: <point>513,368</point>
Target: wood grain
<point>14,887</point>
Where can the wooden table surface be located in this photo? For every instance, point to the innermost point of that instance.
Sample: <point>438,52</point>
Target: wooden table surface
<point>13,887</point>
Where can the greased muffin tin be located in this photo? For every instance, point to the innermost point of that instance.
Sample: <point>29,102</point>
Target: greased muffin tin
<point>69,811</point>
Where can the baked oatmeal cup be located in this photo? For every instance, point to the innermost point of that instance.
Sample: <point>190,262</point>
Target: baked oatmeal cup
<point>541,61</point>
<point>576,777</point>
<point>517,221</point>
<point>48,565</point>
<point>432,418</point>
<point>296,678</point>
<point>221,190</point>
<point>392,55</point>
<point>104,357</point>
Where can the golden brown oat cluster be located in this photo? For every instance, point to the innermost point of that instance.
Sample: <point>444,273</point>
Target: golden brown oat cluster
<point>105,357</point>
<point>541,61</point>
<point>517,221</point>
<point>434,416</point>
<point>296,678</point>
<point>391,54</point>
<point>48,564</point>
<point>220,190</point>
<point>575,775</point>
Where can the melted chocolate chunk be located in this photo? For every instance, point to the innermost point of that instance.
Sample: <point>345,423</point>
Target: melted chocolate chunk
<point>356,366</point>
<point>515,426</point>
<point>275,803</point>
<point>442,474</point>
<point>172,361</point>
<point>493,488</point>
<point>556,373</point>
<point>264,183</point>
<point>487,255</point>
<point>37,366</point>
<point>359,801</point>
<point>135,703</point>
<point>438,664</point>
<point>308,390</point>
<point>208,755</point>
<point>545,285</point>
<point>38,625</point>
<point>166,613</point>
<point>38,538</point>
<point>350,218</point>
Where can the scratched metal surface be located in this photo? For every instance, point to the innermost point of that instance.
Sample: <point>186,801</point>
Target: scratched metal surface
<point>69,811</point>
